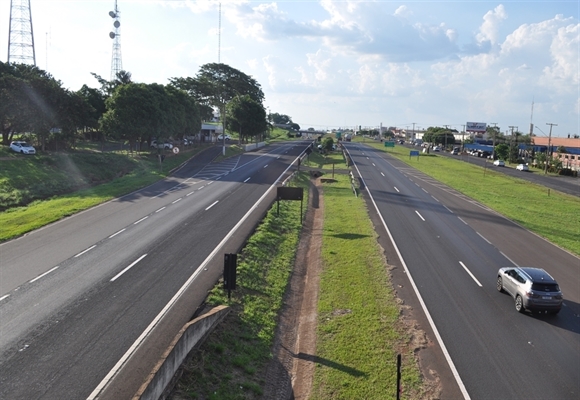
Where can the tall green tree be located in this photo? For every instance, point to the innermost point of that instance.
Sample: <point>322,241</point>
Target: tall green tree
<point>133,113</point>
<point>216,84</point>
<point>247,117</point>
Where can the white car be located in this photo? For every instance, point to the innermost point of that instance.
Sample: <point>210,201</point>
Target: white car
<point>436,148</point>
<point>22,147</point>
<point>157,145</point>
<point>522,167</point>
<point>221,137</point>
<point>499,163</point>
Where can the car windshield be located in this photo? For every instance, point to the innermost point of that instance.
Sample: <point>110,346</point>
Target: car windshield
<point>545,287</point>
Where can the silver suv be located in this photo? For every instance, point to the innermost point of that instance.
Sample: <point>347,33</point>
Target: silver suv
<point>532,288</point>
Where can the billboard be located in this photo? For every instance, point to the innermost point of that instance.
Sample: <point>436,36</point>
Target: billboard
<point>476,127</point>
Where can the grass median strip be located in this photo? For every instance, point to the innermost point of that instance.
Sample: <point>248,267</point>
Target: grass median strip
<point>359,328</point>
<point>360,332</point>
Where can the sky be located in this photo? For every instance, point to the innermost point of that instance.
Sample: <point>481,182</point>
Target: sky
<point>339,64</point>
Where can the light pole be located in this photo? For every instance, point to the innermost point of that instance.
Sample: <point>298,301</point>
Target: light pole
<point>549,145</point>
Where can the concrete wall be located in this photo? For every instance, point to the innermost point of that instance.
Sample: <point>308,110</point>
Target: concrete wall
<point>254,146</point>
<point>190,335</point>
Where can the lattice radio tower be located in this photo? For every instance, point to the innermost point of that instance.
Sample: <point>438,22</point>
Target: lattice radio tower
<point>116,61</point>
<point>20,36</point>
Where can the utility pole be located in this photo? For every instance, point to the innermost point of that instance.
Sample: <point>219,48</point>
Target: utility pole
<point>549,149</point>
<point>511,141</point>
<point>413,130</point>
<point>446,129</point>
<point>493,137</point>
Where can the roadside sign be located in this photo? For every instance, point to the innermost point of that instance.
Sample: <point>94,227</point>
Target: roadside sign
<point>389,144</point>
<point>176,150</point>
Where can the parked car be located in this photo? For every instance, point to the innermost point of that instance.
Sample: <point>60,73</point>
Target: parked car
<point>499,163</point>
<point>221,137</point>
<point>436,148</point>
<point>22,147</point>
<point>522,167</point>
<point>455,151</point>
<point>533,289</point>
<point>158,145</point>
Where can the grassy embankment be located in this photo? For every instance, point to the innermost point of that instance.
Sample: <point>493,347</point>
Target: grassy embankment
<point>358,334</point>
<point>38,190</point>
<point>549,213</point>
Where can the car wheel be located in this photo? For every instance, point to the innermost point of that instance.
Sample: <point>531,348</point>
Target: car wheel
<point>499,285</point>
<point>519,304</point>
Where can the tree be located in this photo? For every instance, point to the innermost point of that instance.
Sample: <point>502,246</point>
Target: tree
<point>96,101</point>
<point>217,84</point>
<point>295,126</point>
<point>108,87</point>
<point>327,144</point>
<point>279,119</point>
<point>133,113</point>
<point>502,151</point>
<point>246,116</point>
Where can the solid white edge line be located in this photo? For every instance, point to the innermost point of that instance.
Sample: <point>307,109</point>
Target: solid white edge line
<point>42,275</point>
<point>4,297</point>
<point>127,268</point>
<point>483,237</point>
<point>183,288</point>
<point>420,216</point>
<point>470,274</point>
<point>161,209</point>
<point>211,205</point>
<point>141,220</point>
<point>84,251</point>
<point>116,233</point>
<point>419,297</point>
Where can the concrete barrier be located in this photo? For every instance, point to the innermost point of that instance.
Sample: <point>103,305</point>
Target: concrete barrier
<point>254,146</point>
<point>185,340</point>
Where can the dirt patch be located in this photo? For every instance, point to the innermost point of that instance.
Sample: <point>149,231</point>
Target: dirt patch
<point>290,372</point>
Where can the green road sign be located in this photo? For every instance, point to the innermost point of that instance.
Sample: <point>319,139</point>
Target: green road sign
<point>389,144</point>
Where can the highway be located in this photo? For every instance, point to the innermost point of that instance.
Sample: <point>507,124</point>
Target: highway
<point>451,248</point>
<point>76,295</point>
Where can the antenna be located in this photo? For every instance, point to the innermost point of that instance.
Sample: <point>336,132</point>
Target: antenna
<point>220,34</point>
<point>116,61</point>
<point>20,35</point>
<point>532,119</point>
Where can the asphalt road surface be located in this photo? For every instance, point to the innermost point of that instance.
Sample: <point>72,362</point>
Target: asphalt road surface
<point>76,295</point>
<point>452,247</point>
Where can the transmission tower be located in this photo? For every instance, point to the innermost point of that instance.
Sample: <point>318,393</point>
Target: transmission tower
<point>116,61</point>
<point>20,36</point>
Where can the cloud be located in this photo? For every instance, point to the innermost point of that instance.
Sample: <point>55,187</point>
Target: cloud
<point>488,31</point>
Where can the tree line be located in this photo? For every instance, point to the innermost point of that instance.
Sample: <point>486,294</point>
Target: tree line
<point>35,104</point>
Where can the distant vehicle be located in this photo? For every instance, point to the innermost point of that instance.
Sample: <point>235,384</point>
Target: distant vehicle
<point>22,147</point>
<point>499,163</point>
<point>532,289</point>
<point>221,137</point>
<point>455,151</point>
<point>436,148</point>
<point>348,137</point>
<point>156,145</point>
<point>522,167</point>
